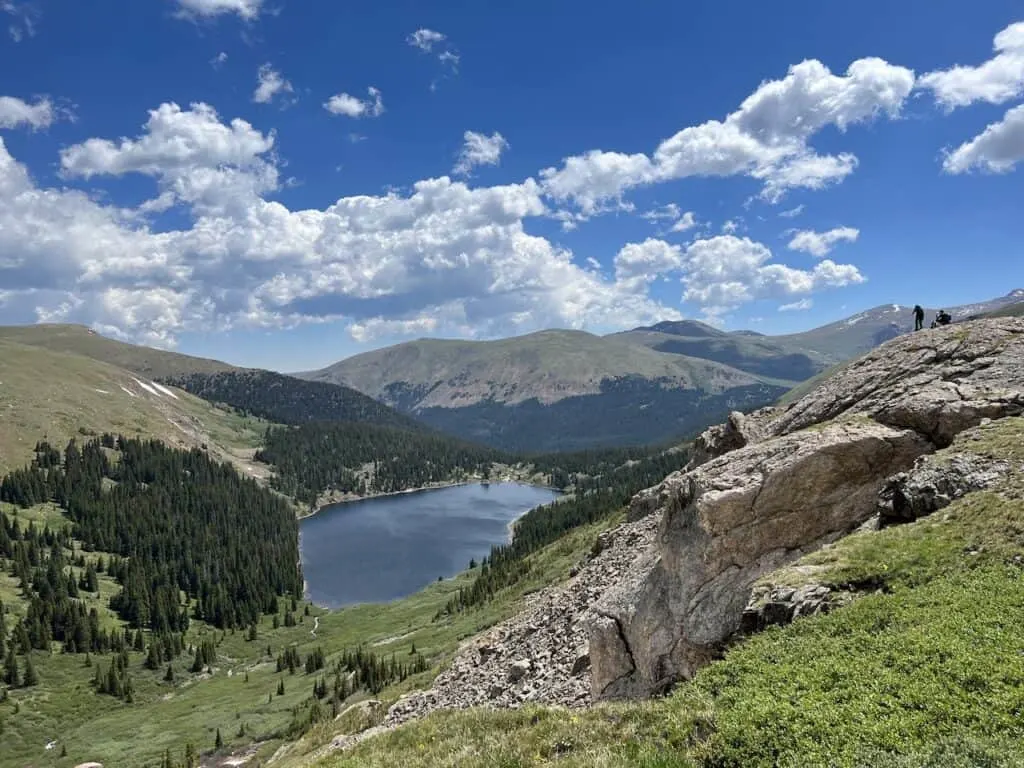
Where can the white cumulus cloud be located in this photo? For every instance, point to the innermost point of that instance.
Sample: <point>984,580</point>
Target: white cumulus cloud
<point>766,138</point>
<point>351,106</point>
<point>646,261</point>
<point>997,149</point>
<point>723,272</point>
<point>821,243</point>
<point>443,256</point>
<point>14,113</point>
<point>479,149</point>
<point>269,83</point>
<point>996,81</point>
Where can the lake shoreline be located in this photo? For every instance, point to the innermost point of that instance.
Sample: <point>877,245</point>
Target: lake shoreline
<point>440,485</point>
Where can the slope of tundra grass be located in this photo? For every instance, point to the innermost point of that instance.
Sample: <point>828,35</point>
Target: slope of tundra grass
<point>59,395</point>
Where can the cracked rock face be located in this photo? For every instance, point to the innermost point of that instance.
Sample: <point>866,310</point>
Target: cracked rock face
<point>728,523</point>
<point>785,483</point>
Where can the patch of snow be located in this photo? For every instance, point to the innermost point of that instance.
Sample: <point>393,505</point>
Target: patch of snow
<point>101,391</point>
<point>1016,293</point>
<point>146,387</point>
<point>895,308</point>
<point>128,391</point>
<point>165,390</point>
<point>855,319</point>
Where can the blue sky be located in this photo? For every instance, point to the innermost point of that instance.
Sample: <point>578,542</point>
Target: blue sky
<point>219,177</point>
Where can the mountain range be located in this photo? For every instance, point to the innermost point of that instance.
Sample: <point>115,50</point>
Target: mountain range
<point>565,390</point>
<point>546,391</point>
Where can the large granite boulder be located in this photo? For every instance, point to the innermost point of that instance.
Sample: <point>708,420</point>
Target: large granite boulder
<point>724,525</point>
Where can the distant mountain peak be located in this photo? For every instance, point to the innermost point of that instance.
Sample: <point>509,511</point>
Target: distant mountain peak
<point>1016,293</point>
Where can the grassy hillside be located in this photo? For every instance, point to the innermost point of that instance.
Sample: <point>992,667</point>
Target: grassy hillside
<point>548,366</point>
<point>925,671</point>
<point>154,363</point>
<point>57,395</point>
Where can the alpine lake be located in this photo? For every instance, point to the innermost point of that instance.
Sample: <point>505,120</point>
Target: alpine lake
<point>379,549</point>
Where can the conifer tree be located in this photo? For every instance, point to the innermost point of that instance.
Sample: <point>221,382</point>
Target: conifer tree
<point>219,742</point>
<point>29,678</point>
<point>11,674</point>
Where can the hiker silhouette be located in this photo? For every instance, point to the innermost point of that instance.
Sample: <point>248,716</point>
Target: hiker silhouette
<point>918,317</point>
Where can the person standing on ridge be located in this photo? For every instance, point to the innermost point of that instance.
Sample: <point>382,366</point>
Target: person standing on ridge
<point>918,317</point>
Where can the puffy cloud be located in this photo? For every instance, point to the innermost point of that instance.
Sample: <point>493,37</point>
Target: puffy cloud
<point>246,9</point>
<point>351,106</point>
<point>766,138</point>
<point>725,271</point>
<point>218,61</point>
<point>425,39</point>
<point>646,261</point>
<point>821,243</point>
<point>445,256</point>
<point>269,83</point>
<point>997,149</point>
<point>174,140</point>
<point>15,112</point>
<point>197,159</point>
<point>591,179</point>
<point>797,306</point>
<point>996,81</point>
<point>479,149</point>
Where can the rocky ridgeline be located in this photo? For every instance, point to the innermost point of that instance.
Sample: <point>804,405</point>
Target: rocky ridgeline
<point>766,489</point>
<point>677,580</point>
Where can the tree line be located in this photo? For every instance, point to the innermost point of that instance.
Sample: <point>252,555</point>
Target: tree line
<point>176,521</point>
<point>365,458</point>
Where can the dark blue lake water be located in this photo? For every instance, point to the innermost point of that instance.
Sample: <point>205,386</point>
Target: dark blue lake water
<point>380,549</point>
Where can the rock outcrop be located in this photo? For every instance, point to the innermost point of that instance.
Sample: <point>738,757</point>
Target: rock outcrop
<point>779,605</point>
<point>933,484</point>
<point>786,482</point>
<point>726,524</point>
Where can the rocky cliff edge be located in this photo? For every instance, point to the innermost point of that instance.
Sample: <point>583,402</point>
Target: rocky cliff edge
<point>767,488</point>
